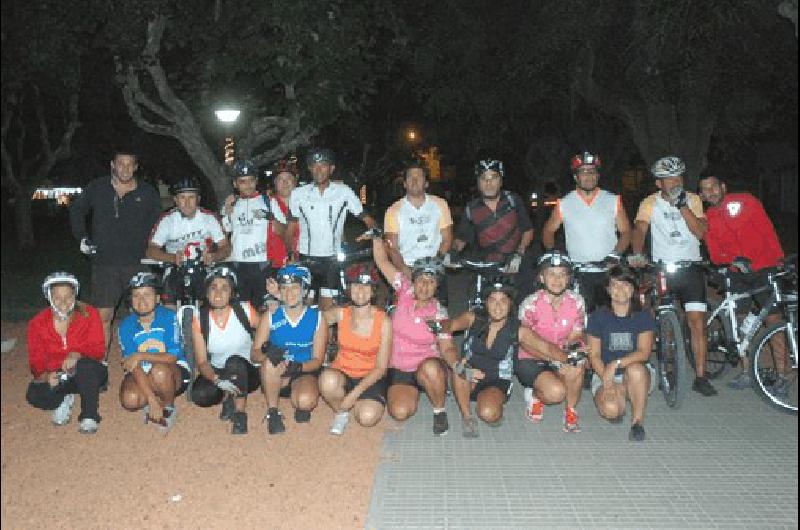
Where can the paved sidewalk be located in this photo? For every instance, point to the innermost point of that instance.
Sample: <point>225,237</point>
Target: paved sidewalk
<point>728,461</point>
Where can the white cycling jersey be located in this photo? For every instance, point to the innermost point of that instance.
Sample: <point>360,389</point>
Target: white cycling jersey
<point>177,233</point>
<point>249,227</point>
<point>321,216</point>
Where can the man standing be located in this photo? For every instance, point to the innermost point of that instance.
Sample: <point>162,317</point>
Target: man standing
<point>319,210</point>
<point>595,224</point>
<point>738,227</point>
<point>678,224</point>
<point>248,217</point>
<point>418,225</point>
<point>123,211</point>
<point>499,224</point>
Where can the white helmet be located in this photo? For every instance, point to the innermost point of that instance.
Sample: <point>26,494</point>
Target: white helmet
<point>56,278</point>
<point>668,166</point>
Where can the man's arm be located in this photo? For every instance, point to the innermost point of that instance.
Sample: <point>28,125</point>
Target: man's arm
<point>292,226</point>
<point>551,227</point>
<point>368,220</point>
<point>78,212</point>
<point>623,228</point>
<point>156,252</point>
<point>638,236</point>
<point>692,213</point>
<point>527,239</point>
<point>447,240</point>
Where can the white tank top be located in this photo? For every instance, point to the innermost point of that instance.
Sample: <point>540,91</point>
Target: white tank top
<point>229,339</point>
<point>590,227</point>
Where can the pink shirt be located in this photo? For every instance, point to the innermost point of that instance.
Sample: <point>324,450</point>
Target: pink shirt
<point>551,324</point>
<point>412,340</point>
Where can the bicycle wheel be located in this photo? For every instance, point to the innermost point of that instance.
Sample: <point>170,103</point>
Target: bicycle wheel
<point>717,333</point>
<point>773,366</point>
<point>672,365</point>
<point>187,341</point>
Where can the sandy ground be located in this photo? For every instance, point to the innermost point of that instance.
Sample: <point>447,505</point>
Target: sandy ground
<point>198,476</point>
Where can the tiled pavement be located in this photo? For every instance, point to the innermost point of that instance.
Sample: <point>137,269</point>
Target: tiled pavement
<point>728,461</point>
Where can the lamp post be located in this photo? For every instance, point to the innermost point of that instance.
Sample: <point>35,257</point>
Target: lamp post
<point>228,117</point>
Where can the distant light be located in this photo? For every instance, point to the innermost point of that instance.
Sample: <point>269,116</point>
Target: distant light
<point>227,115</point>
<point>534,195</point>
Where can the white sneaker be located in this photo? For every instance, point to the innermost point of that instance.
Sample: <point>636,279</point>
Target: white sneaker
<point>340,423</point>
<point>169,418</point>
<point>63,413</point>
<point>88,426</point>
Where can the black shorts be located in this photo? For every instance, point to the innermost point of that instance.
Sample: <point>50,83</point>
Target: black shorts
<point>741,282</point>
<point>286,390</point>
<point>110,282</point>
<point>528,370</point>
<point>253,376</point>
<point>252,281</point>
<point>324,275</point>
<point>399,377</point>
<point>174,288</point>
<point>503,384</point>
<point>593,289</point>
<point>689,285</point>
<point>375,392</point>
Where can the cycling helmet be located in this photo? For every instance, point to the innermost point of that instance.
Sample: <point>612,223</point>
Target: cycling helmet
<point>58,277</point>
<point>221,271</point>
<point>285,166</point>
<point>432,266</point>
<point>585,159</point>
<point>499,284</point>
<point>554,258</point>
<point>244,168</point>
<point>489,164</point>
<point>144,279</point>
<point>318,155</point>
<point>185,184</point>
<point>294,274</point>
<point>669,166</point>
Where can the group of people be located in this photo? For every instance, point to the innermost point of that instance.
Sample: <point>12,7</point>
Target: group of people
<point>533,329</point>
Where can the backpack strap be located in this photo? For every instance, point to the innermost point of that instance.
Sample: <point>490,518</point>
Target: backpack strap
<point>204,322</point>
<point>239,311</point>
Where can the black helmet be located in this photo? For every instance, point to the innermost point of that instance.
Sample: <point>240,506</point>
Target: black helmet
<point>185,184</point>
<point>429,265</point>
<point>144,279</point>
<point>244,168</point>
<point>318,155</point>
<point>501,284</point>
<point>221,271</point>
<point>489,164</point>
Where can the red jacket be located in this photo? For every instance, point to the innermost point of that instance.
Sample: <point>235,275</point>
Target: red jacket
<point>46,349</point>
<point>739,226</point>
<point>276,248</point>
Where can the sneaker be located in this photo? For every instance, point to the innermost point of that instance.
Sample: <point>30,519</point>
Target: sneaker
<point>226,414</point>
<point>302,416</point>
<point>702,386</point>
<point>239,423</point>
<point>781,386</point>
<point>571,420</point>
<point>740,382</point>
<point>469,427</point>
<point>63,413</point>
<point>340,423</point>
<point>440,423</point>
<point>88,426</point>
<point>637,433</point>
<point>274,420</point>
<point>535,410</point>
<point>170,416</point>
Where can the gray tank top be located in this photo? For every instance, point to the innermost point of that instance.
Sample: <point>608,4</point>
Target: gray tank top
<point>590,228</point>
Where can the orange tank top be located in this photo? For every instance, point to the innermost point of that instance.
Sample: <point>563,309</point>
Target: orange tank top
<point>358,354</point>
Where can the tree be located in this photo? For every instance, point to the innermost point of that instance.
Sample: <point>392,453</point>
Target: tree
<point>291,66</point>
<point>39,95</point>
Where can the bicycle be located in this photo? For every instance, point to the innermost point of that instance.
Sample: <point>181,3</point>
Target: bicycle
<point>482,270</point>
<point>188,300</point>
<point>669,346</point>
<point>775,349</point>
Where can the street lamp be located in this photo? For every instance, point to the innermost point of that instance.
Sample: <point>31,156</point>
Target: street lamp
<point>228,117</point>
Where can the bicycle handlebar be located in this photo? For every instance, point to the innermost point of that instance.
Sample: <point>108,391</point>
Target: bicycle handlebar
<point>478,266</point>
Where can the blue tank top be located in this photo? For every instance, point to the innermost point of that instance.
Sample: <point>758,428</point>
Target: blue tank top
<point>297,339</point>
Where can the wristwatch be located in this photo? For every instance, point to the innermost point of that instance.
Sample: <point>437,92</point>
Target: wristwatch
<point>619,363</point>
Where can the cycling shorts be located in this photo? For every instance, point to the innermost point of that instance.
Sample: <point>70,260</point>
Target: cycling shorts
<point>689,285</point>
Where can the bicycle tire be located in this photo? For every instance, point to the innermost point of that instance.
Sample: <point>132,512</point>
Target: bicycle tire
<point>187,341</point>
<point>718,334</point>
<point>672,363</point>
<point>763,373</point>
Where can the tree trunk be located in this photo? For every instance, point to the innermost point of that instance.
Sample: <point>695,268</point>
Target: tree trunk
<point>23,219</point>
